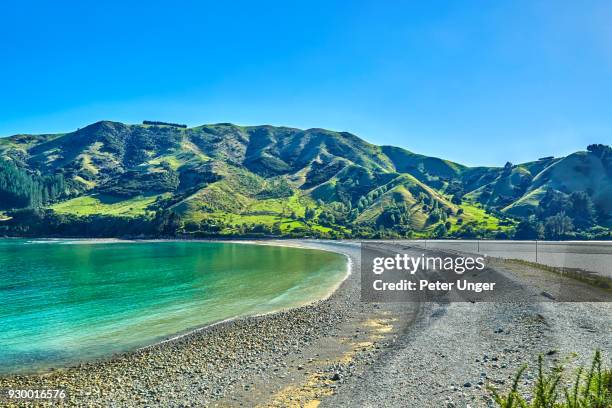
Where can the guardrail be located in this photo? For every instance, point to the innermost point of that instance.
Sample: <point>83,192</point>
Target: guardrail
<point>592,256</point>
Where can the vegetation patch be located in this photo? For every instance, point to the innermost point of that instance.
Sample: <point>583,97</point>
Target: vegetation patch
<point>106,205</point>
<point>591,388</point>
<point>590,278</point>
<point>224,179</point>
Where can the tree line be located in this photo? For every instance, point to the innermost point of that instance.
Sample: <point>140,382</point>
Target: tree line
<point>158,123</point>
<point>20,189</point>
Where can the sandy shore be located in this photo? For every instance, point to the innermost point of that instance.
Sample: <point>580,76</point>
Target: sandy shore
<point>341,352</point>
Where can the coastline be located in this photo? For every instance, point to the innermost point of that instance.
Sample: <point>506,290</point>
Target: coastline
<point>198,328</point>
<point>339,351</point>
<point>328,294</point>
<point>126,376</point>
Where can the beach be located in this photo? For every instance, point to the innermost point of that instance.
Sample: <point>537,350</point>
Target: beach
<point>216,362</point>
<point>340,351</point>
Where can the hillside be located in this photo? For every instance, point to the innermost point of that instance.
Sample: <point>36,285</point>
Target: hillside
<point>114,179</point>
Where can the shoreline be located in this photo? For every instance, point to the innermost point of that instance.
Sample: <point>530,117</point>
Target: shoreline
<point>199,328</point>
<point>328,294</point>
<point>230,354</point>
<point>340,351</point>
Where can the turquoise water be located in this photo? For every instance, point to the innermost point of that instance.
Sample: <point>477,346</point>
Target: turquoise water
<point>66,301</point>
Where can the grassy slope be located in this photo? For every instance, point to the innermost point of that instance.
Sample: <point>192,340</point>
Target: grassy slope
<point>581,171</point>
<point>233,200</point>
<point>319,165</point>
<point>104,205</point>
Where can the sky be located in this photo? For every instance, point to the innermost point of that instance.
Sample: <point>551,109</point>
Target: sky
<point>477,82</point>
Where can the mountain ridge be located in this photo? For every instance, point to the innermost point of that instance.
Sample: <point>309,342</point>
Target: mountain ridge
<point>225,179</point>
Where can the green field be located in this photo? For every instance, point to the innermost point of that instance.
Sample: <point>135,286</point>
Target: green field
<point>105,205</point>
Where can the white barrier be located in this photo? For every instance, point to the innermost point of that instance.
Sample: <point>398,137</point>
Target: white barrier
<point>592,256</point>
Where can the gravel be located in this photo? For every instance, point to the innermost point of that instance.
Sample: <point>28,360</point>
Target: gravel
<point>344,353</point>
<point>455,351</point>
<point>247,359</point>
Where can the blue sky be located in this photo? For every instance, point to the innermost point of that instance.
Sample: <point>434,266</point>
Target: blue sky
<point>475,82</point>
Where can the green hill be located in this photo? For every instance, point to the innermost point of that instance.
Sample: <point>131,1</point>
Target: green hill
<point>113,179</point>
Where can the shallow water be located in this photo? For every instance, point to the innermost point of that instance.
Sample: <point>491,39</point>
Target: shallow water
<point>65,301</point>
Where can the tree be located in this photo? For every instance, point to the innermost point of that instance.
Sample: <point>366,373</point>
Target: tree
<point>309,213</point>
<point>600,150</point>
<point>530,228</point>
<point>20,189</point>
<point>389,217</point>
<point>456,199</point>
<point>434,216</point>
<point>582,209</point>
<point>191,226</point>
<point>361,203</point>
<point>557,226</point>
<point>440,231</point>
<point>553,203</point>
<point>167,222</point>
<point>469,230</point>
<point>327,218</point>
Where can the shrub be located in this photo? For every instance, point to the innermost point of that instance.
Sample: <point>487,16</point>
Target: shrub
<point>590,390</point>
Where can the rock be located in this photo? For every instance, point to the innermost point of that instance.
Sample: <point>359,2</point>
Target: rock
<point>336,376</point>
<point>547,295</point>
